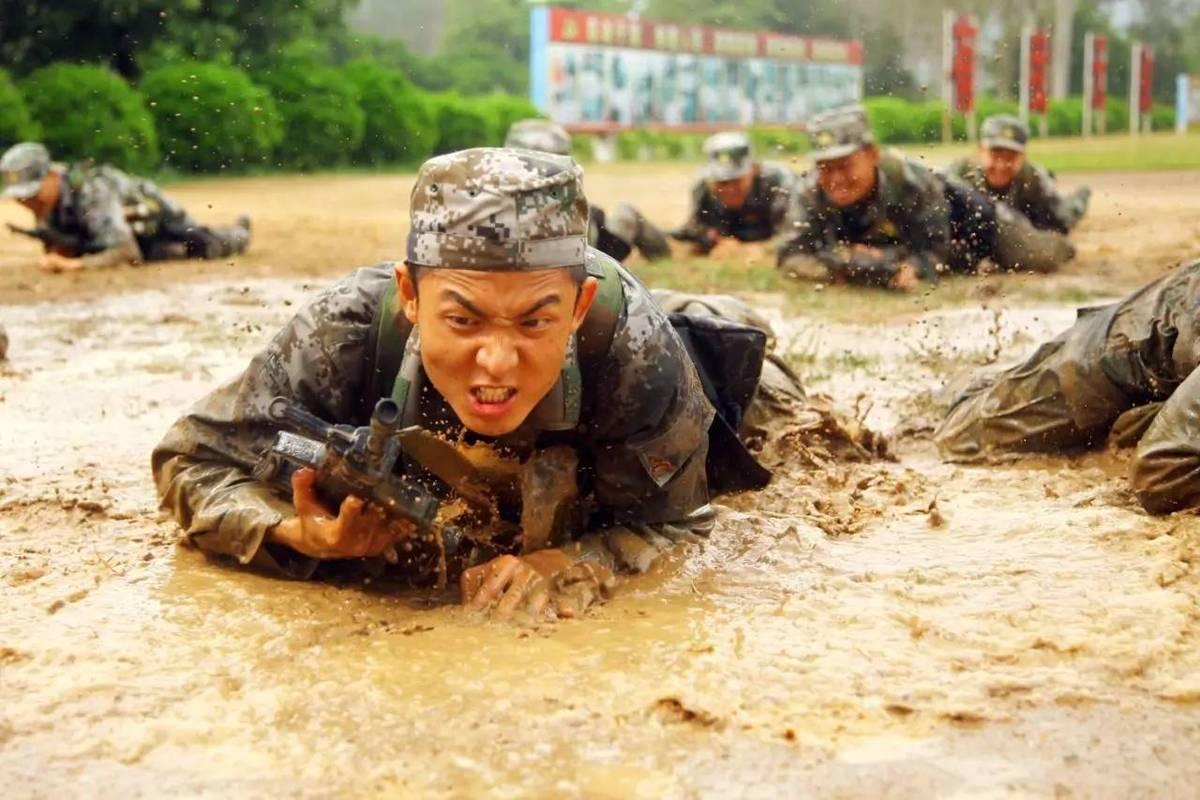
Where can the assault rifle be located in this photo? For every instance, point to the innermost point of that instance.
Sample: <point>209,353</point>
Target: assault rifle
<point>50,238</point>
<point>354,461</point>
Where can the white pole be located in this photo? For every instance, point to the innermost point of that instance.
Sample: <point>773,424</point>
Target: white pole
<point>1089,55</point>
<point>1135,80</point>
<point>1182,86</point>
<point>947,65</point>
<point>1023,89</point>
<point>972,129</point>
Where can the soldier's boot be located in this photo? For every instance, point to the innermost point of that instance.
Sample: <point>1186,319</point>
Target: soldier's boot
<point>3,343</point>
<point>1022,247</point>
<point>627,222</point>
<point>1076,205</point>
<point>228,241</point>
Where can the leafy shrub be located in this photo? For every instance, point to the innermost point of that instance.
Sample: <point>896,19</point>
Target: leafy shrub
<point>778,143</point>
<point>1065,116</point>
<point>16,124</point>
<point>460,123</point>
<point>323,123</point>
<point>1162,117</point>
<point>503,110</point>
<point>90,112</point>
<point>1116,115</point>
<point>211,117</point>
<point>400,124</point>
<point>893,120</point>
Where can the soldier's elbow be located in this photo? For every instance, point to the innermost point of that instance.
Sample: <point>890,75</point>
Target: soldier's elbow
<point>1164,483</point>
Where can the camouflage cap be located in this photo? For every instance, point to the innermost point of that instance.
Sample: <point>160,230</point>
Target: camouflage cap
<point>838,133</point>
<point>498,210</point>
<point>1005,132</point>
<point>23,167</point>
<point>539,134</point>
<point>729,155</point>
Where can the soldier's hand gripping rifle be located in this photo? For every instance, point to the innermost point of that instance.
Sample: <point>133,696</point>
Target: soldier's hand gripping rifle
<point>52,240</point>
<point>355,461</point>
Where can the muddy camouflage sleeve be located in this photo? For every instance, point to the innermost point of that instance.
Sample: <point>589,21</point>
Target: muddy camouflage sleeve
<point>650,441</point>
<point>1166,472</point>
<point>695,229</point>
<point>203,466</point>
<point>108,233</point>
<point>1042,203</point>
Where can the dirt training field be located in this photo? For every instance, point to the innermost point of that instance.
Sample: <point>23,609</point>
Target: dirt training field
<point>906,628</point>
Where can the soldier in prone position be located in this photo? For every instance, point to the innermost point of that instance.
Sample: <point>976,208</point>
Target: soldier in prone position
<point>616,233</point>
<point>1125,372</point>
<point>736,195</point>
<point>91,217</point>
<point>502,330</point>
<point>878,219</point>
<point>1002,172</point>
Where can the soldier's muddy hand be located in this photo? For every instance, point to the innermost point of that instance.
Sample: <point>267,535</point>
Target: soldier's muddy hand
<point>358,530</point>
<point>54,262</point>
<point>546,580</point>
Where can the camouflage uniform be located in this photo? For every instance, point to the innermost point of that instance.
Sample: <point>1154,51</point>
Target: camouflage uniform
<point>110,217</point>
<point>1125,371</point>
<point>615,234</point>
<point>914,215</point>
<point>1032,192</point>
<point>729,156</point>
<point>630,402</point>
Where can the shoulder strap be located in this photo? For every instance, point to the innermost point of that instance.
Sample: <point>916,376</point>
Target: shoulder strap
<point>385,344</point>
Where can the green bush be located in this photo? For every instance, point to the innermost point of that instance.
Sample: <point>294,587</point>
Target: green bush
<point>16,124</point>
<point>400,124</point>
<point>893,120</point>
<point>1116,115</point>
<point>1065,116</point>
<point>211,117</point>
<point>323,123</point>
<point>583,148</point>
<point>778,143</point>
<point>90,112</point>
<point>1162,117</point>
<point>503,110</point>
<point>460,123</point>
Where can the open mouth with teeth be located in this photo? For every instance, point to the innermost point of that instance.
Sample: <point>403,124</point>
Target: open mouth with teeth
<point>492,395</point>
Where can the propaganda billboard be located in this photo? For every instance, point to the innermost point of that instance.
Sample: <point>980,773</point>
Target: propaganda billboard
<point>606,72</point>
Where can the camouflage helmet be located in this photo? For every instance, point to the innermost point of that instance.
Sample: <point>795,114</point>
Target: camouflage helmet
<point>838,133</point>
<point>539,134</point>
<point>498,210</point>
<point>729,156</point>
<point>23,168</point>
<point>1004,132</point>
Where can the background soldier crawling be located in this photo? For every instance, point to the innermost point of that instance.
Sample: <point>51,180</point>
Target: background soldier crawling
<point>616,233</point>
<point>97,216</point>
<point>1125,371</point>
<point>1002,171</point>
<point>736,195</point>
<point>505,332</point>
<point>867,217</point>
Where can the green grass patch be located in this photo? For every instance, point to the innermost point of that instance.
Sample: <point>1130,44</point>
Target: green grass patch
<point>1115,153</point>
<point>710,276</point>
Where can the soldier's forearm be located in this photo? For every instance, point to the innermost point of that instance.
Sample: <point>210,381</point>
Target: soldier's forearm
<point>125,253</point>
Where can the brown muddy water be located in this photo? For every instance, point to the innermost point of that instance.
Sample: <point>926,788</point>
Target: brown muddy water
<point>899,629</point>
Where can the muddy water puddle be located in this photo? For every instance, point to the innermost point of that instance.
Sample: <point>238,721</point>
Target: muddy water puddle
<point>1017,630</point>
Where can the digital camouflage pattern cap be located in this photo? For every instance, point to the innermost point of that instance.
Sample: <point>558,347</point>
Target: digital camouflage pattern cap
<point>1004,132</point>
<point>838,133</point>
<point>23,167</point>
<point>729,156</point>
<point>498,210</point>
<point>539,134</point>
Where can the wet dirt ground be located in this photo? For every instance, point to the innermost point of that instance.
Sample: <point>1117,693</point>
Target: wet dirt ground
<point>899,629</point>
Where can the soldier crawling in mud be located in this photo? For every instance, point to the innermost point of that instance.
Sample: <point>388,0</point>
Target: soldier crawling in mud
<point>1126,372</point>
<point>615,234</point>
<point>1002,172</point>
<point>735,195</point>
<point>91,217</point>
<point>505,332</point>
<point>876,218</point>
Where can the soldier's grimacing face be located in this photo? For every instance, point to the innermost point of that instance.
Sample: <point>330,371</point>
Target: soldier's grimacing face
<point>493,343</point>
<point>850,179</point>
<point>1000,165</point>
